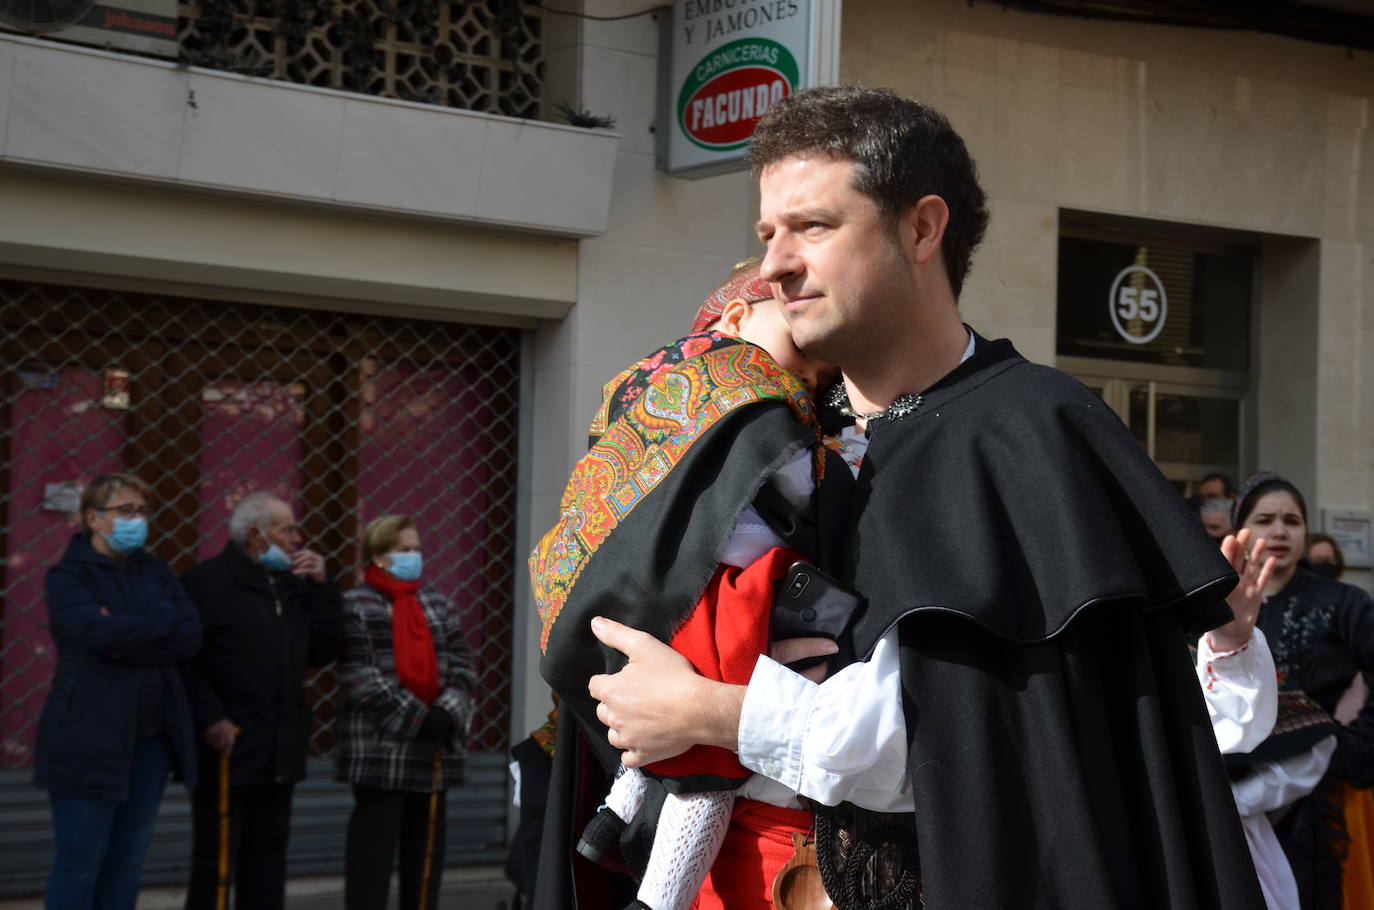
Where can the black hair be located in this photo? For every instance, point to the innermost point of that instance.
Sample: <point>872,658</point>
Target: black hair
<point>1259,486</point>
<point>902,150</point>
<point>1226,483</point>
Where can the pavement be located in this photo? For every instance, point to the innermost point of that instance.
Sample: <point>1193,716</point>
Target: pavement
<point>464,888</point>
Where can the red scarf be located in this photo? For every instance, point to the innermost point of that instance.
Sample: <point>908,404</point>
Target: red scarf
<point>417,666</point>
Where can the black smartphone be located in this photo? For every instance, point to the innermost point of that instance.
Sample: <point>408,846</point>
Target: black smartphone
<point>809,603</point>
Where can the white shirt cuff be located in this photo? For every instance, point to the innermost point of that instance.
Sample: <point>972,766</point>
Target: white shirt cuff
<point>843,739</point>
<point>1241,691</point>
<point>772,723</point>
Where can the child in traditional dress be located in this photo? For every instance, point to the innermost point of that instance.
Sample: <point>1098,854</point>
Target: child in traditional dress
<point>728,627</point>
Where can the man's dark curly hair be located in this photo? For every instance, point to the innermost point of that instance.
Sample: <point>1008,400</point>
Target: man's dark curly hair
<point>902,150</point>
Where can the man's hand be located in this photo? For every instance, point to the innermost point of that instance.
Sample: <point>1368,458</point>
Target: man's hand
<point>793,649</point>
<point>309,564</point>
<point>658,706</point>
<point>1248,596</point>
<point>220,736</point>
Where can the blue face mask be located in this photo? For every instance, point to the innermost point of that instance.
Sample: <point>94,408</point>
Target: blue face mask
<point>275,559</point>
<point>406,566</point>
<point>127,535</point>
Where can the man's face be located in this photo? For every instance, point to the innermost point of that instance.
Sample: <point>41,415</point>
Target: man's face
<point>1211,489</point>
<point>282,531</point>
<point>1218,525</point>
<point>833,260</point>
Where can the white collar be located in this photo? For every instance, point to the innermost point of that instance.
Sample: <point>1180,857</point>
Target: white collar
<point>968,351</point>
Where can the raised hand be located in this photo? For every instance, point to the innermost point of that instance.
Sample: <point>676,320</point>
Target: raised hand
<point>1245,601</point>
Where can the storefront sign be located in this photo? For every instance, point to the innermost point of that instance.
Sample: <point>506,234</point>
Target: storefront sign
<point>61,497</point>
<point>719,113</point>
<point>1353,531</point>
<point>33,379</point>
<point>1138,304</point>
<point>724,63</point>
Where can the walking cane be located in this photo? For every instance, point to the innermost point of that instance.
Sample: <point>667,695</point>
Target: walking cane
<point>222,887</point>
<point>429,836</point>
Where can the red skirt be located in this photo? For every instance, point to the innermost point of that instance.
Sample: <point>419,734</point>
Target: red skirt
<point>757,846</point>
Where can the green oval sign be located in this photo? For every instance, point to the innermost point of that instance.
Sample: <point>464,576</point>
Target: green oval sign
<point>730,88</point>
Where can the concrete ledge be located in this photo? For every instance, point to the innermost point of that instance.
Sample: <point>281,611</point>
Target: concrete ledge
<point>150,121</point>
<point>157,240</point>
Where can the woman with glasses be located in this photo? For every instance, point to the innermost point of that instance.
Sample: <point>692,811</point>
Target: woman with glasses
<point>116,721</point>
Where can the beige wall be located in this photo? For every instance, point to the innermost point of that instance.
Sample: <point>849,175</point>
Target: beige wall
<point>1232,130</point>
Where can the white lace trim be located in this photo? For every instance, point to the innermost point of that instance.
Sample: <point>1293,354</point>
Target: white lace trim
<point>626,797</point>
<point>690,831</point>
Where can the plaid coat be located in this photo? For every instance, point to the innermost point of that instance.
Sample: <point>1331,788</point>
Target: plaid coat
<point>374,737</point>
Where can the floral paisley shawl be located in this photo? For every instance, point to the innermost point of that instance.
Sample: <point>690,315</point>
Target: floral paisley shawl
<point>626,387</point>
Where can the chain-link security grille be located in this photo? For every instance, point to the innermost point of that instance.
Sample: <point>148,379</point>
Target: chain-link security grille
<point>347,417</point>
<point>480,55</point>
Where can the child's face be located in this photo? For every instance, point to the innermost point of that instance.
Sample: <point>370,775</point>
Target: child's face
<point>765,326</point>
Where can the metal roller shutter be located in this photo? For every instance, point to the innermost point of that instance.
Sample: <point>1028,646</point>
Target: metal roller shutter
<point>347,416</point>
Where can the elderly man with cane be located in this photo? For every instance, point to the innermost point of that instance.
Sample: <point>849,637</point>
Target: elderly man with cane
<point>269,611</point>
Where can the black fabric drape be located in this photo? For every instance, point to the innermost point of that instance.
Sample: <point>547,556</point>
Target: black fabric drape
<point>1015,497</point>
<point>577,783</point>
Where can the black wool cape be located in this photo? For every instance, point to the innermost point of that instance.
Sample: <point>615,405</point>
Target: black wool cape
<point>1045,580</point>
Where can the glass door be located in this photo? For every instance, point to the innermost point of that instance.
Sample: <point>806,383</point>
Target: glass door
<point>1156,319</point>
<point>1189,431</point>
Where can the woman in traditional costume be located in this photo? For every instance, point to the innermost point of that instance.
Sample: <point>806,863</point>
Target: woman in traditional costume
<point>1321,633</point>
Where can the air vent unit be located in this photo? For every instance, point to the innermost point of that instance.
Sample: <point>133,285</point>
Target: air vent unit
<point>142,26</point>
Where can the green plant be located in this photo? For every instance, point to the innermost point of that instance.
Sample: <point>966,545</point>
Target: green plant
<point>576,117</point>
